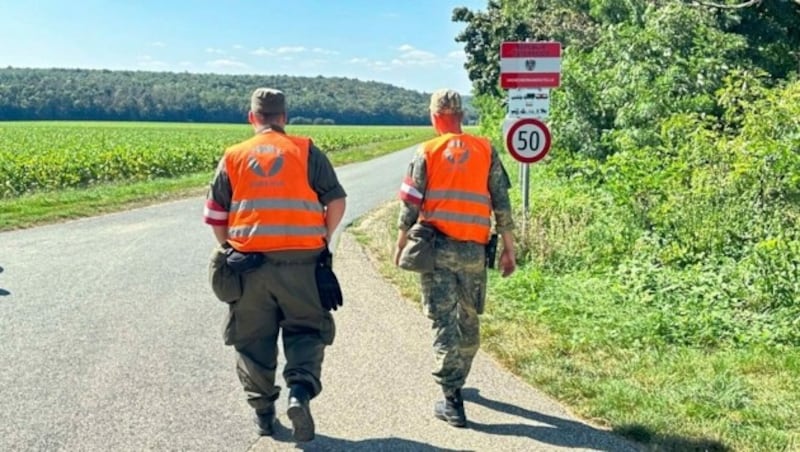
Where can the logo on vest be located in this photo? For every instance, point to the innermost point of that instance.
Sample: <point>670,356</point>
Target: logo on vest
<point>456,154</point>
<point>272,169</point>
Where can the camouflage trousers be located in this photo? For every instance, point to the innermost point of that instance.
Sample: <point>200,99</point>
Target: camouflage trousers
<point>453,296</point>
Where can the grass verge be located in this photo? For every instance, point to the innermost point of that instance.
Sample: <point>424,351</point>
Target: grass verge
<point>47,207</point>
<point>675,398</point>
<point>42,208</point>
<point>370,151</point>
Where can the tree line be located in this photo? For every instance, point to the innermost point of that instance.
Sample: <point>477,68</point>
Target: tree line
<point>83,94</point>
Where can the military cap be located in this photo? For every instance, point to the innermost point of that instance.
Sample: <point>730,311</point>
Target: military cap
<point>268,101</point>
<point>446,101</point>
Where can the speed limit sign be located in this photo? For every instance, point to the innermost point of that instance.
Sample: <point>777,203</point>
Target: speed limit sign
<point>527,139</point>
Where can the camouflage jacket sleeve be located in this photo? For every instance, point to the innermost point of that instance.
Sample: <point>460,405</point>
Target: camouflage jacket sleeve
<point>412,192</point>
<point>499,184</point>
<point>218,199</point>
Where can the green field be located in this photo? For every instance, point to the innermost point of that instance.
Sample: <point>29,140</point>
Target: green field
<point>58,155</point>
<point>59,170</point>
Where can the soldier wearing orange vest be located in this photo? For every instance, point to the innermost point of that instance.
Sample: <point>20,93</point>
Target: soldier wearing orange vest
<point>274,203</point>
<point>453,184</point>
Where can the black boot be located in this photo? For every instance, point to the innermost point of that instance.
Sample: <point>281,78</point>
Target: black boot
<point>265,418</point>
<point>300,413</point>
<point>451,409</point>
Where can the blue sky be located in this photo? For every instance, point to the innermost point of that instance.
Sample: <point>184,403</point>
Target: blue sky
<point>409,43</point>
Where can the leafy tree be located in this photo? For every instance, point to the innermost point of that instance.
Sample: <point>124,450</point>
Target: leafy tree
<point>626,64</point>
<point>684,114</point>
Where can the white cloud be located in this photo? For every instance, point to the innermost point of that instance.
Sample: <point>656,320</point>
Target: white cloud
<point>290,49</point>
<point>324,51</point>
<point>457,55</point>
<point>263,52</point>
<point>380,65</point>
<point>418,56</point>
<point>158,44</point>
<point>147,61</point>
<point>214,50</point>
<point>398,62</point>
<point>411,56</point>
<point>227,64</point>
<point>237,46</point>
<point>185,63</point>
<point>302,65</point>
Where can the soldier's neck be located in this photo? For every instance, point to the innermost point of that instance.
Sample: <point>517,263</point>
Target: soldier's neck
<point>452,129</point>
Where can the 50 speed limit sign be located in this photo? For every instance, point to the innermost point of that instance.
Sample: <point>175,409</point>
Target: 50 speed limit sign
<point>527,139</point>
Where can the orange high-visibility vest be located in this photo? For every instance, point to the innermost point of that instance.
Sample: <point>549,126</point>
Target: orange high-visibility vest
<point>273,205</point>
<point>456,200</point>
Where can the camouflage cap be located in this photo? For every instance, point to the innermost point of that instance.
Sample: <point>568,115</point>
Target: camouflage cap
<point>446,101</point>
<point>268,101</point>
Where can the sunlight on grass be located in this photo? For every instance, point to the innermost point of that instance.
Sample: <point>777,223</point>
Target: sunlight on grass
<point>558,333</point>
<point>111,166</point>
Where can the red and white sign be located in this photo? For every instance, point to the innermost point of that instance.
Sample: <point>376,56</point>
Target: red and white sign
<point>530,64</point>
<point>527,139</point>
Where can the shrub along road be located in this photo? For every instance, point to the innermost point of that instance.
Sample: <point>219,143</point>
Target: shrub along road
<point>112,340</point>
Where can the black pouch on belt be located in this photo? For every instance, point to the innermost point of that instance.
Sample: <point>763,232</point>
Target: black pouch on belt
<point>491,251</point>
<point>330,292</point>
<point>241,262</point>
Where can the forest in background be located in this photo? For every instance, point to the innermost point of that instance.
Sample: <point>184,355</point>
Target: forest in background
<point>105,95</point>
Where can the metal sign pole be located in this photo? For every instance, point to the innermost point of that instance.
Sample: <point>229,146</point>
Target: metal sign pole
<point>526,183</point>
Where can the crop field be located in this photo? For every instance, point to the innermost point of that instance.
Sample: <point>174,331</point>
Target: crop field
<point>46,156</point>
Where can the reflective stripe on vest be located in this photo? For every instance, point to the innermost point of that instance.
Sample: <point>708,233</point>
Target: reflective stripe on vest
<point>457,200</point>
<point>263,204</point>
<point>276,230</point>
<point>458,217</point>
<point>273,206</point>
<point>460,195</point>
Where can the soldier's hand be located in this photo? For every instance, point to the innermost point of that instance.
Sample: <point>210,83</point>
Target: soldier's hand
<point>508,262</point>
<point>397,251</point>
<point>401,243</point>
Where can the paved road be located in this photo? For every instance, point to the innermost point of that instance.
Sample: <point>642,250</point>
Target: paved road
<point>110,339</point>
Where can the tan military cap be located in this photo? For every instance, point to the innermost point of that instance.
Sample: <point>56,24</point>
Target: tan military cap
<point>446,101</point>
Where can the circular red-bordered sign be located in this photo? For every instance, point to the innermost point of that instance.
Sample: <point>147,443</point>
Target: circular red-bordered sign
<point>528,140</point>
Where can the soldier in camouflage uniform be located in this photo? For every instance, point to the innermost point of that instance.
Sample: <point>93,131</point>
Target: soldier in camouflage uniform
<point>453,293</point>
